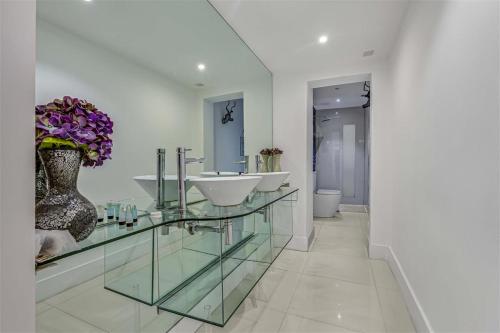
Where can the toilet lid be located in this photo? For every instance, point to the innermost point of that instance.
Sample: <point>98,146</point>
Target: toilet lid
<point>323,191</point>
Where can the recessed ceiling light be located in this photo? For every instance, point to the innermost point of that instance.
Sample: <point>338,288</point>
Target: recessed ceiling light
<point>368,53</point>
<point>201,67</point>
<point>323,39</point>
<point>87,0</point>
<point>337,100</point>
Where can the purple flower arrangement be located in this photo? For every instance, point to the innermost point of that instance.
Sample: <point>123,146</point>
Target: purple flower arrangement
<point>77,124</point>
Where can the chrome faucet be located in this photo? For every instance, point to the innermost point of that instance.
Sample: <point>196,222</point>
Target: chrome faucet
<point>182,160</point>
<point>258,163</point>
<point>245,163</point>
<point>160,175</point>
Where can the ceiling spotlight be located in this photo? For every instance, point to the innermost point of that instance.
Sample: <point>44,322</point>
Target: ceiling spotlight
<point>368,53</point>
<point>337,100</point>
<point>201,67</point>
<point>323,39</point>
<point>87,0</point>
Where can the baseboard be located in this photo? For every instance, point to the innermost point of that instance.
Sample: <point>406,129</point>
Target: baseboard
<point>378,251</point>
<point>417,313</point>
<point>301,243</point>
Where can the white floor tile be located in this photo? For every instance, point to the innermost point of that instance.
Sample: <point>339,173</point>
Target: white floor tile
<point>341,267</point>
<point>77,290</point>
<point>290,260</point>
<point>394,311</point>
<point>383,275</point>
<point>295,324</point>
<point>342,246</point>
<point>344,304</point>
<point>235,325</point>
<point>331,232</point>
<point>108,311</point>
<point>56,321</point>
<point>41,307</point>
<point>268,284</point>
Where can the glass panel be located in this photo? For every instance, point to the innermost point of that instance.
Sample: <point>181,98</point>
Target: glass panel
<point>129,266</point>
<point>203,210</point>
<point>348,159</point>
<point>282,223</point>
<point>249,244</point>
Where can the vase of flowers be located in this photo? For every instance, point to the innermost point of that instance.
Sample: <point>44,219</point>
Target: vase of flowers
<point>266,154</point>
<point>69,132</point>
<point>276,159</point>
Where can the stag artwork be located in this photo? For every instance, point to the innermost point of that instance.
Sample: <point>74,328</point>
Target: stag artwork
<point>366,87</point>
<point>228,116</point>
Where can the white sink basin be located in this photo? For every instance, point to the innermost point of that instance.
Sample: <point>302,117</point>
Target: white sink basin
<point>219,174</point>
<point>271,181</point>
<point>148,184</point>
<point>226,191</point>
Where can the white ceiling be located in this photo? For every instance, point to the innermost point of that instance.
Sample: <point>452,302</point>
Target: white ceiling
<point>284,33</point>
<point>170,37</point>
<point>349,95</point>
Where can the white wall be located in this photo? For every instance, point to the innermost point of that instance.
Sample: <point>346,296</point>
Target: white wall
<point>148,110</point>
<point>446,162</point>
<point>17,94</point>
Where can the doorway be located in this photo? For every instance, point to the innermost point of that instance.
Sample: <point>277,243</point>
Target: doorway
<point>223,133</point>
<point>341,150</point>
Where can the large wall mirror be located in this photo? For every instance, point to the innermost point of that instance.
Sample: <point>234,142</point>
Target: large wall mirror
<point>168,73</point>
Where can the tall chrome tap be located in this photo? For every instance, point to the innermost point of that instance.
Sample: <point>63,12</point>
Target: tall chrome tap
<point>245,163</point>
<point>160,175</point>
<point>182,160</point>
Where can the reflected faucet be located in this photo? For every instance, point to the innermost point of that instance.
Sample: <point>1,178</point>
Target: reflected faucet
<point>245,162</point>
<point>182,160</point>
<point>160,175</point>
<point>258,162</point>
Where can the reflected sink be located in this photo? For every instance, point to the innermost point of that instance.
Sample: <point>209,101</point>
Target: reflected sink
<point>219,174</point>
<point>226,191</point>
<point>271,181</point>
<point>148,184</point>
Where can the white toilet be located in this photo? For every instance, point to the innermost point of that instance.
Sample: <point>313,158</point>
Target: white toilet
<point>326,202</point>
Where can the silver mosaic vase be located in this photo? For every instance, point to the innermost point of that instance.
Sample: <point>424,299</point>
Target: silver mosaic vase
<point>63,207</point>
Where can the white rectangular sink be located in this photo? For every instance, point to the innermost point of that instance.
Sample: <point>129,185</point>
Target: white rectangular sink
<point>148,184</point>
<point>226,191</point>
<point>271,181</point>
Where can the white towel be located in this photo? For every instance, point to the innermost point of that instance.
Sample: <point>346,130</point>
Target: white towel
<point>54,242</point>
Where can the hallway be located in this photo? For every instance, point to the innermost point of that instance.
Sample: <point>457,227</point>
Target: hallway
<point>333,288</point>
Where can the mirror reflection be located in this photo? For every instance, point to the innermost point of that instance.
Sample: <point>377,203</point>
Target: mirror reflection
<point>168,74</point>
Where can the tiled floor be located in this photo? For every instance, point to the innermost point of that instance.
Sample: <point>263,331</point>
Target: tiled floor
<point>332,288</point>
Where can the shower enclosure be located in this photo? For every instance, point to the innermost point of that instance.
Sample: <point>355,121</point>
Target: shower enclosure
<point>342,152</point>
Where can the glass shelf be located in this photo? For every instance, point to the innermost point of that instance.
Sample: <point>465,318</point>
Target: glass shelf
<point>198,210</point>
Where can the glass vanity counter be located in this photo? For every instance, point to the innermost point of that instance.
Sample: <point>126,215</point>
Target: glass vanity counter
<point>199,264</point>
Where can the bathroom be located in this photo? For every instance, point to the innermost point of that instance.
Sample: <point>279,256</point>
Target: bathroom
<point>211,166</point>
<point>341,137</point>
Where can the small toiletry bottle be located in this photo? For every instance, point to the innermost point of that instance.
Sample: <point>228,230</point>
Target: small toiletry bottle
<point>117,211</point>
<point>122,216</point>
<point>100,213</point>
<point>134,213</point>
<point>128,217</point>
<point>110,209</point>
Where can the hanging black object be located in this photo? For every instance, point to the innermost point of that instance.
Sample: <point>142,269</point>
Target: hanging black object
<point>228,116</point>
<point>366,88</point>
